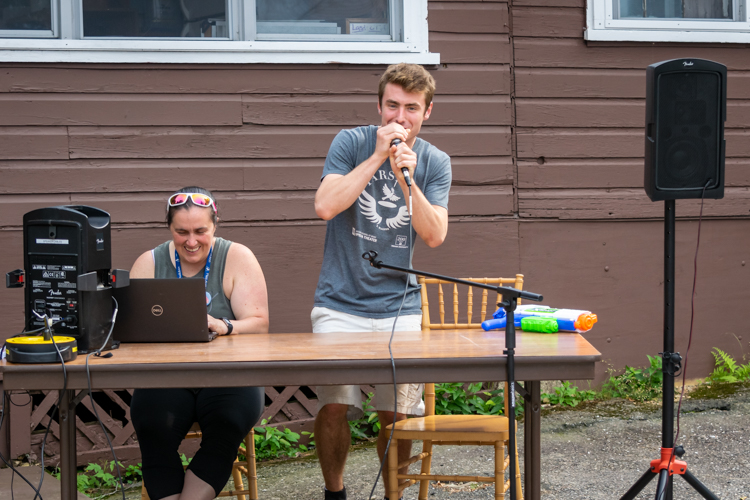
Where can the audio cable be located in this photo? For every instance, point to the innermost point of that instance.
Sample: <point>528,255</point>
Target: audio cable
<point>98,353</point>
<point>390,352</point>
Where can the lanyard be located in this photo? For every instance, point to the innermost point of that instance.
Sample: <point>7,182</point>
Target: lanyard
<point>178,266</point>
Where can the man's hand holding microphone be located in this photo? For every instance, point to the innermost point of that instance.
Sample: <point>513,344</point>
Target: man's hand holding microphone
<point>403,159</point>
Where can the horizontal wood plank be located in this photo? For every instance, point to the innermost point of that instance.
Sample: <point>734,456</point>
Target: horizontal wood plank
<point>622,204</point>
<point>575,53</point>
<point>473,79</point>
<point>260,142</point>
<point>604,113</point>
<point>605,143</point>
<point>166,175</point>
<point>119,109</point>
<point>485,200</point>
<point>470,141</point>
<point>549,3</point>
<point>580,112</point>
<point>118,175</point>
<point>33,143</point>
<point>200,142</point>
<point>607,83</point>
<point>470,171</point>
<point>362,110</point>
<point>577,83</point>
<point>468,17</point>
<point>548,21</point>
<point>606,173</point>
<point>148,207</point>
<point>195,79</point>
<point>249,79</point>
<point>470,48</point>
<point>580,173</point>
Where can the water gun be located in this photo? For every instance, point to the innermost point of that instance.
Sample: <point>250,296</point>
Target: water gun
<point>544,319</point>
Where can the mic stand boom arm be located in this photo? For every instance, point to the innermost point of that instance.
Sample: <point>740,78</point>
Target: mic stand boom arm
<point>510,300</point>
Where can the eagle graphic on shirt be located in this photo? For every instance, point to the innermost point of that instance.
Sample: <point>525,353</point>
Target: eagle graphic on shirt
<point>369,207</point>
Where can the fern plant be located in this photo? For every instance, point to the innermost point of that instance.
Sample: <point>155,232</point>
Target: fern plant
<point>727,369</point>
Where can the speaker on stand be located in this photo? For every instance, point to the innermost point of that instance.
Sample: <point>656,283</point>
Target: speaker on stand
<point>686,107</point>
<point>685,114</point>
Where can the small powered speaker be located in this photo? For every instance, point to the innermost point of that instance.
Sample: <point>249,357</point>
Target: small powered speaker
<point>686,107</point>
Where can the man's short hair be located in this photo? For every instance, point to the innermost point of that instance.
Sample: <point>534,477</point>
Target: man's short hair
<point>411,78</point>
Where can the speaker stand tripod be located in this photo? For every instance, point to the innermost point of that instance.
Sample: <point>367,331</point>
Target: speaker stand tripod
<point>667,465</point>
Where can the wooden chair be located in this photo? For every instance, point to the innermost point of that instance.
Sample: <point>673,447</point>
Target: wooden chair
<point>427,323</point>
<point>456,430</point>
<point>246,468</point>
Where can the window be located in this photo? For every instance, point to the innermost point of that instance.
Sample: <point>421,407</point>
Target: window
<point>27,18</point>
<point>217,31</point>
<point>668,21</point>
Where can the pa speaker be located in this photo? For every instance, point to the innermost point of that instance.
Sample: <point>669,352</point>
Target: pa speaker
<point>686,107</point>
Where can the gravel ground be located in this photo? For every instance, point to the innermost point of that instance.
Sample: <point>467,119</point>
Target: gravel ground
<point>596,451</point>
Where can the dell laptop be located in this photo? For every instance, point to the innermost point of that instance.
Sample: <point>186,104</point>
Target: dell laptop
<point>162,310</point>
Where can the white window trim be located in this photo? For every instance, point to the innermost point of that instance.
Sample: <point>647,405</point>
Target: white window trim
<point>602,26</point>
<point>413,49</point>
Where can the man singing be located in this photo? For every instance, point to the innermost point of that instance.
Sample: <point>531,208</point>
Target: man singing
<point>364,197</point>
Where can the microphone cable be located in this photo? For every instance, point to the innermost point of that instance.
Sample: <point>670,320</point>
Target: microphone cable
<point>37,490</point>
<point>49,324</point>
<point>393,362</point>
<point>98,353</point>
<point>56,409</point>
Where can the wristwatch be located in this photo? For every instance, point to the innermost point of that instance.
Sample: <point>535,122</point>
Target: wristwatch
<point>229,325</point>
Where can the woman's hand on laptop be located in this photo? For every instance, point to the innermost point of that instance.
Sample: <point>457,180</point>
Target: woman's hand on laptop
<point>217,325</point>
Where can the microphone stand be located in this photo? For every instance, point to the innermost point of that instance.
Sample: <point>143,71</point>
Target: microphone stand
<point>509,303</point>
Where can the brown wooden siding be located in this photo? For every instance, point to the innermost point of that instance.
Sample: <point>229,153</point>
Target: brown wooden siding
<point>580,111</point>
<point>545,132</point>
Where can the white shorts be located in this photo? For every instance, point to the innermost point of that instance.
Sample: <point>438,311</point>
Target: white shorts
<point>325,320</point>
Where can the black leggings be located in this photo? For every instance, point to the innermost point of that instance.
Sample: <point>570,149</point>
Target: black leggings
<point>162,417</point>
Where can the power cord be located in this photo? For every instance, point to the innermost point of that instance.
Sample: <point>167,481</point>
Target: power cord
<point>8,463</point>
<point>393,362</point>
<point>690,336</point>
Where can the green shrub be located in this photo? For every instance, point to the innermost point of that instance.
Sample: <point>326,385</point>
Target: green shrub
<point>638,384</point>
<point>95,477</point>
<point>568,395</point>
<point>273,442</point>
<point>457,399</point>
<point>368,426</point>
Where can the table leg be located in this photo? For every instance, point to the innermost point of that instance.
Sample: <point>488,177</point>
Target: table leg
<point>532,443</point>
<point>68,490</point>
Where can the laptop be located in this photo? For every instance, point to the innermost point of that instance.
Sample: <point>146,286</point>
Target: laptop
<point>162,310</point>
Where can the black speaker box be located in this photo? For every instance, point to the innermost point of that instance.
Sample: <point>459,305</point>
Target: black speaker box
<point>686,107</point>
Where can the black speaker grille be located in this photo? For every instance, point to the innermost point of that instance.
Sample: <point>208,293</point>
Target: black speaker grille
<point>688,111</point>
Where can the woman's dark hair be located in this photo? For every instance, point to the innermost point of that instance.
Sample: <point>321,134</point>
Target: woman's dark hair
<point>189,203</point>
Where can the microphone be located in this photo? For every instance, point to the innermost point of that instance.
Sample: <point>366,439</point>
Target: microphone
<point>404,170</point>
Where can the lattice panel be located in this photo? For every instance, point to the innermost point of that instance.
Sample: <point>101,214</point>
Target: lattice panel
<point>293,407</point>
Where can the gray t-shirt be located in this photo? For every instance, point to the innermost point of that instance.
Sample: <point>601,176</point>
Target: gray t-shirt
<point>378,220</point>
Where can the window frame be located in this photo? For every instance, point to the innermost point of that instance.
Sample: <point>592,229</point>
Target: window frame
<point>69,46</point>
<point>601,25</point>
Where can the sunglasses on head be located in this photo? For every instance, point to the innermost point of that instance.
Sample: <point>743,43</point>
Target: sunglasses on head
<point>198,199</point>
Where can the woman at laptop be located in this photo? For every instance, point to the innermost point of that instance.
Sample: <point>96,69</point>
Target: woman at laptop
<point>237,302</point>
